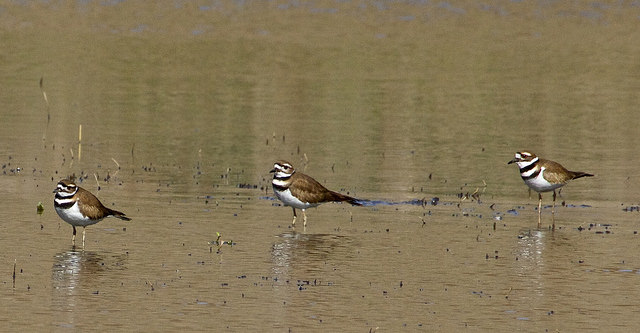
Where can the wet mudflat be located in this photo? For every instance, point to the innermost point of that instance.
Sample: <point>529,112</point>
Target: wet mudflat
<point>416,107</point>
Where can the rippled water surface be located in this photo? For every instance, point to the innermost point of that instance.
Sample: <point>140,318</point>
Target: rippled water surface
<point>175,112</point>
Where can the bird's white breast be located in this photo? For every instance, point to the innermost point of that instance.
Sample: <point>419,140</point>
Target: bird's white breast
<point>74,217</point>
<point>289,200</point>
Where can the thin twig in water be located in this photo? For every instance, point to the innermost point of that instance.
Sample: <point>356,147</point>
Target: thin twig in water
<point>79,141</point>
<point>14,273</point>
<point>97,183</point>
<point>475,194</point>
<point>44,94</point>
<point>46,100</point>
<point>117,164</point>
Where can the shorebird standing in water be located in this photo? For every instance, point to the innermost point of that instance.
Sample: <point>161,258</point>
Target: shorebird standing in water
<point>543,176</point>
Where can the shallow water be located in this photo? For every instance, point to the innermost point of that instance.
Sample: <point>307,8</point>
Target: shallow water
<point>416,107</point>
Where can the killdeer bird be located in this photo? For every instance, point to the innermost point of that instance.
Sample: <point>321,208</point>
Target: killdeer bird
<point>543,176</point>
<point>80,208</point>
<point>297,190</point>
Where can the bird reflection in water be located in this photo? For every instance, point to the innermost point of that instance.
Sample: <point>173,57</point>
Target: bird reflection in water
<point>531,258</point>
<point>77,275</point>
<point>71,267</point>
<point>306,252</point>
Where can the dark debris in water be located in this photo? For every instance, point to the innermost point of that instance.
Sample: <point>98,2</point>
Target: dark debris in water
<point>305,284</point>
<point>7,168</point>
<point>598,228</point>
<point>513,212</point>
<point>372,203</point>
<point>480,294</point>
<point>148,168</point>
<point>247,186</point>
<point>631,209</point>
<point>415,202</point>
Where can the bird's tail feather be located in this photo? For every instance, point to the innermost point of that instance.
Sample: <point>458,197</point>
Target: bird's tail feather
<point>335,196</point>
<point>119,215</point>
<point>580,174</point>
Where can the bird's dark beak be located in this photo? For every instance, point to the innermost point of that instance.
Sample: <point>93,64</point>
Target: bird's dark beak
<point>56,190</point>
<point>512,161</point>
<point>272,170</point>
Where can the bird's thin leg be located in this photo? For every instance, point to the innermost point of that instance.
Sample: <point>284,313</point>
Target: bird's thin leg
<point>304,219</point>
<point>73,238</point>
<point>553,212</point>
<point>539,209</point>
<point>83,233</point>
<point>294,216</point>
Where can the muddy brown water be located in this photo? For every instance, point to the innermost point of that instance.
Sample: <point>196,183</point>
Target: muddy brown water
<point>184,107</point>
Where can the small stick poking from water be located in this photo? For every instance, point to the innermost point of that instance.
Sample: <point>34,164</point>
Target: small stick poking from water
<point>79,141</point>
<point>508,292</point>
<point>97,183</point>
<point>117,164</point>
<point>46,100</point>
<point>14,273</point>
<point>44,93</point>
